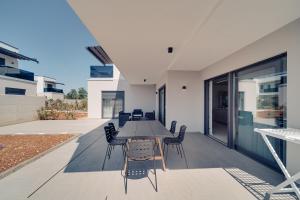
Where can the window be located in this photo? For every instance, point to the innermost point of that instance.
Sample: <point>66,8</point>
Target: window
<point>112,104</point>
<point>264,104</point>
<point>15,91</point>
<point>2,61</point>
<point>104,71</point>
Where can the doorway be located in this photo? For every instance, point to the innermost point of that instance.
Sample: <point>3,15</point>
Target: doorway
<point>162,105</point>
<point>218,108</point>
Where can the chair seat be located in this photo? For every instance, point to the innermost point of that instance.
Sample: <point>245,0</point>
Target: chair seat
<point>169,140</point>
<point>118,141</point>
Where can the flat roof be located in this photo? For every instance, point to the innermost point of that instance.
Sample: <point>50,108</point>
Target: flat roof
<point>16,55</point>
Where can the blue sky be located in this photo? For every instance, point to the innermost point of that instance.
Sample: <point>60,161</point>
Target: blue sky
<point>50,31</point>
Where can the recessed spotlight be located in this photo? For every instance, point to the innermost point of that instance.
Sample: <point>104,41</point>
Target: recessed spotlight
<point>170,49</point>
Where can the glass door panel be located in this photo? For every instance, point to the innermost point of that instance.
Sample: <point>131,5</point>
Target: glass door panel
<point>261,103</point>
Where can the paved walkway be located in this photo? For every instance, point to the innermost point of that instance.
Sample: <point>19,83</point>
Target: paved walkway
<point>73,172</point>
<point>52,127</point>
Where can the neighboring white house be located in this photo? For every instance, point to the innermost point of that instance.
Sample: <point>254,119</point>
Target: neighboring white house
<point>109,92</point>
<point>18,96</point>
<point>47,87</point>
<point>186,53</point>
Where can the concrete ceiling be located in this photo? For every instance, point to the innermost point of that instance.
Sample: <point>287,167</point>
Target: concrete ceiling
<point>137,33</point>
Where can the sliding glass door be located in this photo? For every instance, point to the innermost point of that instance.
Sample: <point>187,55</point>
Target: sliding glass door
<point>261,103</point>
<point>218,108</point>
<point>112,104</point>
<point>240,101</point>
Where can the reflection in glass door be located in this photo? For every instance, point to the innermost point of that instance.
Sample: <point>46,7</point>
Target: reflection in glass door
<point>261,103</point>
<point>162,105</point>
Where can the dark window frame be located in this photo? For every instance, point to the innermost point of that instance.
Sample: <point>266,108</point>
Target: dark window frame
<point>14,91</point>
<point>102,71</point>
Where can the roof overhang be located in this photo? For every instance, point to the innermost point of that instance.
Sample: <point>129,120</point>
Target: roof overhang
<point>16,55</point>
<point>100,54</point>
<point>136,34</point>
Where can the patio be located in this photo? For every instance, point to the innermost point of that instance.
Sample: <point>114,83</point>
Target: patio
<point>73,171</point>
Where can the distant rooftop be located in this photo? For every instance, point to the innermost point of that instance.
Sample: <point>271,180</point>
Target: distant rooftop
<point>12,51</point>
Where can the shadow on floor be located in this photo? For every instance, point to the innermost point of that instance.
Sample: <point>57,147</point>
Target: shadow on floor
<point>201,152</point>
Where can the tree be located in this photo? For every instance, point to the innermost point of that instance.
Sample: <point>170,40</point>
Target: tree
<point>82,93</point>
<point>72,94</point>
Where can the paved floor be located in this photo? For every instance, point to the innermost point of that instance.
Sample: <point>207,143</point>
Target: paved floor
<point>52,127</point>
<point>73,172</point>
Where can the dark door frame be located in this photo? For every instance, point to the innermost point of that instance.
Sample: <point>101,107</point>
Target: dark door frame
<point>230,111</point>
<point>159,106</point>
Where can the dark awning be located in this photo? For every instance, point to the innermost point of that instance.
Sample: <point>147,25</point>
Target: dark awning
<point>100,54</point>
<point>16,55</point>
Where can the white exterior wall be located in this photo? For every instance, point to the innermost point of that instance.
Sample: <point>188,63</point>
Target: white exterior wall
<point>17,108</point>
<point>182,105</point>
<point>30,86</point>
<point>54,95</point>
<point>41,84</point>
<point>9,61</point>
<point>283,40</point>
<point>136,96</point>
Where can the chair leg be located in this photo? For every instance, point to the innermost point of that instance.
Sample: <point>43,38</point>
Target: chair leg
<point>154,166</point>
<point>178,146</point>
<point>184,156</point>
<point>177,149</point>
<point>109,152</point>
<point>167,152</point>
<point>107,149</point>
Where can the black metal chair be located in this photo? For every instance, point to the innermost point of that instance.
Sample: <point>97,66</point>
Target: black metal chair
<point>176,141</point>
<point>137,150</point>
<point>123,118</point>
<point>112,142</point>
<point>150,115</point>
<point>113,129</point>
<point>173,128</point>
<point>137,114</point>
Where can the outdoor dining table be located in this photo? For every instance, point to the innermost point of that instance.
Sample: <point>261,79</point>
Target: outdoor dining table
<point>290,135</point>
<point>149,129</point>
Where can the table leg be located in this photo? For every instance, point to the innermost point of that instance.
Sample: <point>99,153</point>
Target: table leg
<point>289,180</point>
<point>161,154</point>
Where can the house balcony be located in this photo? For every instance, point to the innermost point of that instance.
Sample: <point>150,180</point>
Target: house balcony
<point>16,73</point>
<point>55,90</point>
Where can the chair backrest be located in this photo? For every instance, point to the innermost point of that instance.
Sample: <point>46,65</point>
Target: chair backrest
<point>112,126</point>
<point>173,127</point>
<point>181,133</point>
<point>108,134</point>
<point>141,149</point>
<point>137,111</point>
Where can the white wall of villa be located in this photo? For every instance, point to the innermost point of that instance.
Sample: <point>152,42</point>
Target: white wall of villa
<point>42,83</point>
<point>9,61</point>
<point>29,86</point>
<point>136,96</point>
<point>283,40</point>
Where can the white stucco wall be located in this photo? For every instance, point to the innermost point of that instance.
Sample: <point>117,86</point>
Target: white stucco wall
<point>9,61</point>
<point>17,108</point>
<point>53,95</point>
<point>283,40</point>
<point>30,86</point>
<point>136,96</point>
